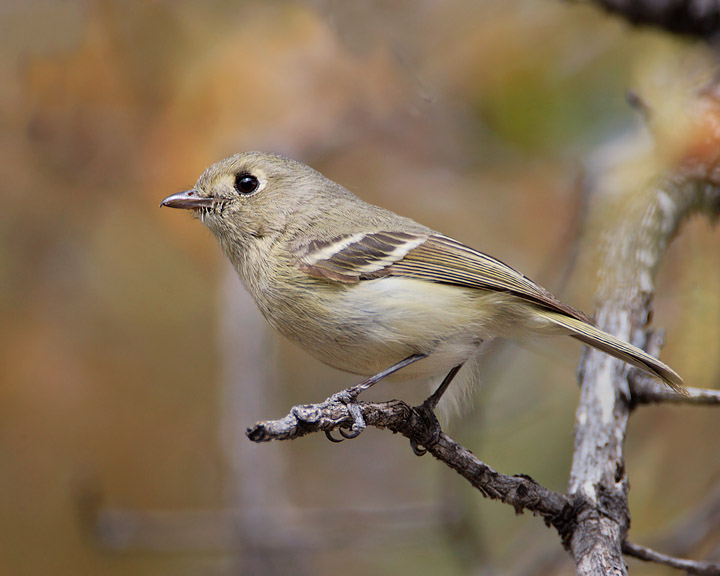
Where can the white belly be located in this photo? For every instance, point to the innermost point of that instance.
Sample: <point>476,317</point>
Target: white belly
<point>367,327</point>
<point>377,323</point>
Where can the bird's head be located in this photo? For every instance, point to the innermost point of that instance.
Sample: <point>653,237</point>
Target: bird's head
<point>253,195</point>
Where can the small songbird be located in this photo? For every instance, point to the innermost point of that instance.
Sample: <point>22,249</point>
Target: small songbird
<point>368,291</point>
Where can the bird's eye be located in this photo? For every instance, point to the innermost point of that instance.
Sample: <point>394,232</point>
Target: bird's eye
<point>246,183</point>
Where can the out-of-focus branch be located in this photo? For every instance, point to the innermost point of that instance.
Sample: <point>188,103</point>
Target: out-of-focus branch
<point>699,18</point>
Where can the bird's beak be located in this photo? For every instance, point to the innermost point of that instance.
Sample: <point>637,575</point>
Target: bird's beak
<point>188,200</point>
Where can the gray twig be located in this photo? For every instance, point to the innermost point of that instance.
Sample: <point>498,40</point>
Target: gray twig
<point>690,566</point>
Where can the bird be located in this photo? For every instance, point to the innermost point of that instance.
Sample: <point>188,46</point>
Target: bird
<point>371,292</point>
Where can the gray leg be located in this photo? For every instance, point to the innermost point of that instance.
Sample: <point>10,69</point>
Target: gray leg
<point>434,398</point>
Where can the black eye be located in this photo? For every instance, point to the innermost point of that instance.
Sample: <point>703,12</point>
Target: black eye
<point>246,183</point>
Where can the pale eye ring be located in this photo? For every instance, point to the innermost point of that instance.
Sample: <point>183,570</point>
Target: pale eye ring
<point>246,183</point>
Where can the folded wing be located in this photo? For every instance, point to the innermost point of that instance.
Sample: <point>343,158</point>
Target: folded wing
<point>434,258</point>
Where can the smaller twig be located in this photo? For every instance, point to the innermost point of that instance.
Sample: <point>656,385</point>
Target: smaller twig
<point>691,566</point>
<point>646,390</point>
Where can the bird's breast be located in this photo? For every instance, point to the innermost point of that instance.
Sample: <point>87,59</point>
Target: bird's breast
<point>366,327</point>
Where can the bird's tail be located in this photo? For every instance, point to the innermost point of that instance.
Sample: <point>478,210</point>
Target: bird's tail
<point>609,344</point>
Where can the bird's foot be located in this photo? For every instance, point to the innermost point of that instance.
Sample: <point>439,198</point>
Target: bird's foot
<point>349,396</point>
<point>430,427</point>
<point>349,399</point>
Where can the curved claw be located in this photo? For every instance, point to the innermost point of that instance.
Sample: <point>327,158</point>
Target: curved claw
<point>350,433</point>
<point>358,422</point>
<point>329,436</point>
<point>417,450</point>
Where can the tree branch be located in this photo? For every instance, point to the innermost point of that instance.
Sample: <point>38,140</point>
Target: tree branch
<point>645,390</point>
<point>420,426</point>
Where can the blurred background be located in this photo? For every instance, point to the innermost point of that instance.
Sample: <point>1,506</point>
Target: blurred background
<point>131,361</point>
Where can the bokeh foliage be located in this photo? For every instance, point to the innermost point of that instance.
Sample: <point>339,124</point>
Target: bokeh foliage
<point>479,119</point>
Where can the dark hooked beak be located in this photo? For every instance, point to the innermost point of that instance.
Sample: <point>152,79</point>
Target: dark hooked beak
<point>188,200</point>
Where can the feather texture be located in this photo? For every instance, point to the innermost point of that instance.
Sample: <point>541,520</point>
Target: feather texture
<point>435,258</point>
<point>612,345</point>
<point>440,259</point>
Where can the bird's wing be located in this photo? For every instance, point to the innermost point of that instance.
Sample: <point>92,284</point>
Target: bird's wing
<point>352,258</point>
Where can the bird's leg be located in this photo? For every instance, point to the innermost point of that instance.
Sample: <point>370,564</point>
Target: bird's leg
<point>434,398</point>
<point>349,397</point>
<point>431,403</point>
